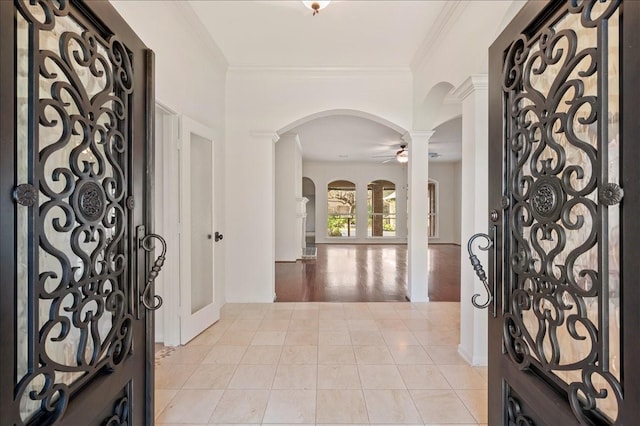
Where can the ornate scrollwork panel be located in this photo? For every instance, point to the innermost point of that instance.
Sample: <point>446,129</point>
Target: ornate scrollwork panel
<point>514,413</point>
<point>79,304</point>
<point>562,143</point>
<point>121,409</point>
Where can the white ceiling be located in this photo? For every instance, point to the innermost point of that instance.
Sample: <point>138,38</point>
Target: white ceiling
<point>346,138</point>
<point>344,34</point>
<point>447,141</point>
<point>349,138</point>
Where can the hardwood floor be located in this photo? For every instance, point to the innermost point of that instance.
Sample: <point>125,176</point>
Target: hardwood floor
<point>366,273</point>
<point>444,273</point>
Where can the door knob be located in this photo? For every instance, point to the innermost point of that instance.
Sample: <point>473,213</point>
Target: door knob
<point>218,236</point>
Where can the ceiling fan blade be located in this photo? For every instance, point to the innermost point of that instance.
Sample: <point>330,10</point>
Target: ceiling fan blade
<point>390,159</point>
<point>383,156</point>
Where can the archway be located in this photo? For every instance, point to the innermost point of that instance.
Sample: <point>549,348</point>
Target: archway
<point>343,227</point>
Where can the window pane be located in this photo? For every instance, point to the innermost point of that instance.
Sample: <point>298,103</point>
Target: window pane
<point>432,226</point>
<point>381,206</point>
<point>341,208</point>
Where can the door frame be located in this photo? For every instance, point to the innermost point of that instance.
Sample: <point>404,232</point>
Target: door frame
<point>167,191</point>
<point>630,226</point>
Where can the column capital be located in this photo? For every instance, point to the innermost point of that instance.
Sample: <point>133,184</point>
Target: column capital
<point>265,134</point>
<point>470,85</point>
<point>416,135</point>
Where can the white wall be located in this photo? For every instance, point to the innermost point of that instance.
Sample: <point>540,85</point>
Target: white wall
<point>447,176</point>
<point>475,218</point>
<point>190,68</point>
<point>322,173</point>
<point>259,103</point>
<point>457,209</point>
<point>451,54</point>
<point>190,74</point>
<point>288,188</point>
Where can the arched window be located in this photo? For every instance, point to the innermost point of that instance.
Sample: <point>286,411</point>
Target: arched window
<point>341,208</point>
<point>381,205</point>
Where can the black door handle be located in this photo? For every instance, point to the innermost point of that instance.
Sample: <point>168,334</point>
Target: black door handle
<point>479,270</point>
<point>148,299</point>
<point>219,236</point>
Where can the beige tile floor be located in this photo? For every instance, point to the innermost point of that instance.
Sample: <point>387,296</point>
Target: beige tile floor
<point>323,363</point>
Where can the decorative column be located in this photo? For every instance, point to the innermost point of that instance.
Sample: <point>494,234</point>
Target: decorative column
<point>473,94</point>
<point>288,196</point>
<point>418,208</point>
<point>263,143</point>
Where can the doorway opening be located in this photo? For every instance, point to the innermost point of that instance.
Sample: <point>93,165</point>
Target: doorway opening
<point>309,192</point>
<point>184,183</point>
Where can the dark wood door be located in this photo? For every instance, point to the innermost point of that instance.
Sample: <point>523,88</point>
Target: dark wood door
<point>76,98</point>
<point>564,189</point>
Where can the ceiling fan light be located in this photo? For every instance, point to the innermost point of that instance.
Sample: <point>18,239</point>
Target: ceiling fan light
<point>402,156</point>
<point>316,6</point>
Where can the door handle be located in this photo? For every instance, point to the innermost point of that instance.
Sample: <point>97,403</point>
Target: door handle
<point>151,301</point>
<point>479,270</point>
<point>218,236</point>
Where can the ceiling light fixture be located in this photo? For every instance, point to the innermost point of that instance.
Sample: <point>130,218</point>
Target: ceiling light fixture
<point>316,6</point>
<point>402,155</point>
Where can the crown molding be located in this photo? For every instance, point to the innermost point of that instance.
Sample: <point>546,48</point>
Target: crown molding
<point>319,70</point>
<point>445,20</point>
<point>265,134</point>
<point>450,98</point>
<point>470,85</point>
<point>417,134</point>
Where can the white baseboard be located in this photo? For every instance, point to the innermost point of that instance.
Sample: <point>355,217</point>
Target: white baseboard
<point>476,361</point>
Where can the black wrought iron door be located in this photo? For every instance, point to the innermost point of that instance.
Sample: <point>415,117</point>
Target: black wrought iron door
<point>563,187</point>
<point>76,98</point>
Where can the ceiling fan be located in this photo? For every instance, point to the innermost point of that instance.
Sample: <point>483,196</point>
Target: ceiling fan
<point>401,156</point>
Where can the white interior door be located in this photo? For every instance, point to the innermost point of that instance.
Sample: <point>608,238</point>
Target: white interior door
<point>198,305</point>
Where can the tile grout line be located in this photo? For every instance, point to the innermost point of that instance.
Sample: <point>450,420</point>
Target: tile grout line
<point>358,314</point>
<point>364,397</point>
<point>466,405</point>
